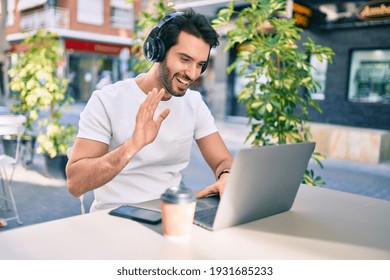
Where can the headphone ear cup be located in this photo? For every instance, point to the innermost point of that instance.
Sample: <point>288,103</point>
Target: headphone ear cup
<point>160,50</point>
<point>149,49</point>
<point>154,48</point>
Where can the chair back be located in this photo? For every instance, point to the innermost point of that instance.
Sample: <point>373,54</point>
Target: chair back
<point>12,125</point>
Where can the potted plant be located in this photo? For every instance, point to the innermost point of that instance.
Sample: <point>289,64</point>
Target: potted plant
<point>54,142</point>
<point>277,69</point>
<point>40,89</point>
<point>33,84</point>
<point>54,138</point>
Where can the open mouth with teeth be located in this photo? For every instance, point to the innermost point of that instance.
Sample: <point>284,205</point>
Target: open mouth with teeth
<point>183,82</point>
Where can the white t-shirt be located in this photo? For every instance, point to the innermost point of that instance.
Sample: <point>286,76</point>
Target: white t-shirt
<point>109,117</point>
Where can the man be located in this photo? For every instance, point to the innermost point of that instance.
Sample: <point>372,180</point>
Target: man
<point>135,136</point>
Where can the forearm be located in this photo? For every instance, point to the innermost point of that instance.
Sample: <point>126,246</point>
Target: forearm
<point>223,165</point>
<point>215,153</point>
<point>90,173</point>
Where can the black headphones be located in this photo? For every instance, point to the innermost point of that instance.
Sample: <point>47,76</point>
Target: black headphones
<point>154,48</point>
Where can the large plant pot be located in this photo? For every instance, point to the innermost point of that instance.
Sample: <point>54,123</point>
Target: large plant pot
<point>27,149</point>
<point>55,167</point>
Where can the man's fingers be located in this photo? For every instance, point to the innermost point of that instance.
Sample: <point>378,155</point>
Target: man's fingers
<point>162,116</point>
<point>213,189</point>
<point>148,107</point>
<point>155,98</point>
<point>160,94</point>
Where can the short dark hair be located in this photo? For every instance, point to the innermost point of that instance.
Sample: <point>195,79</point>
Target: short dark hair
<point>192,23</point>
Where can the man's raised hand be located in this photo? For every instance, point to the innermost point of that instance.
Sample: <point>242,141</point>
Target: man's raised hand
<point>146,128</point>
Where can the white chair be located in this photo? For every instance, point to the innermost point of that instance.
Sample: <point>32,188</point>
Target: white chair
<point>81,198</point>
<point>10,125</point>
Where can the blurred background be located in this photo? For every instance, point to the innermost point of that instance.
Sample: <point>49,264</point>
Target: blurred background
<point>353,131</point>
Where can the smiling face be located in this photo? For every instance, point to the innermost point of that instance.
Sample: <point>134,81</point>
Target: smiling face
<point>183,63</point>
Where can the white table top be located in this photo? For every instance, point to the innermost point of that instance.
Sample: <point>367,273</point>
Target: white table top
<point>322,224</point>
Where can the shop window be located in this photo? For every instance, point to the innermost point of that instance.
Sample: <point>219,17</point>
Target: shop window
<point>87,72</point>
<point>369,79</point>
<point>318,72</point>
<point>90,11</point>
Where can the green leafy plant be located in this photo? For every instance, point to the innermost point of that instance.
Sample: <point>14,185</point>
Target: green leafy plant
<point>34,78</point>
<point>279,82</point>
<point>145,23</point>
<point>56,139</point>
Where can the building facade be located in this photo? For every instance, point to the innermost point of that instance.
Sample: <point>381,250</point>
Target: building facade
<point>96,36</point>
<point>355,87</point>
<point>357,84</point>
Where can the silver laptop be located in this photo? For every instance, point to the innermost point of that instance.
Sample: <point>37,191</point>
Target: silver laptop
<point>263,181</point>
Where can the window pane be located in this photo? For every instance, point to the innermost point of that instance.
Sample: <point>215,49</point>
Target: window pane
<point>122,17</point>
<point>369,79</point>
<point>90,11</point>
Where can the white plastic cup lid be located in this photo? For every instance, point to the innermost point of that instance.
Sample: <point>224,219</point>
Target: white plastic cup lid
<point>178,195</point>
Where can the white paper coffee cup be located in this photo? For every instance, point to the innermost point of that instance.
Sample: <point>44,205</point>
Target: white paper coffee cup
<point>178,210</point>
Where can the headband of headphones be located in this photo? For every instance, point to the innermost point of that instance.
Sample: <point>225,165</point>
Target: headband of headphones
<point>154,47</point>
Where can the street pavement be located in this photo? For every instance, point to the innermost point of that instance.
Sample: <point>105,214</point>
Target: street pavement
<point>40,198</point>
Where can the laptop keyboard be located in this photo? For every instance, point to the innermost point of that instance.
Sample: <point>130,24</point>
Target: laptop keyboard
<point>206,210</point>
<point>206,216</point>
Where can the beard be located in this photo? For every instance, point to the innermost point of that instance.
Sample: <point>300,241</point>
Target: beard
<point>166,78</point>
